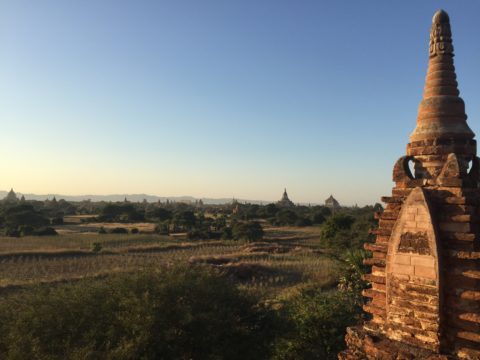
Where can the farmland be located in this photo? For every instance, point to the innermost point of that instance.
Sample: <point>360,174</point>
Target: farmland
<point>286,257</point>
<point>116,280</point>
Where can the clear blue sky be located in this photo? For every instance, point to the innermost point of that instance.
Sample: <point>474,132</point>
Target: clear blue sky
<point>218,98</point>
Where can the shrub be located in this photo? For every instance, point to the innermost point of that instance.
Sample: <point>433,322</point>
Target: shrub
<point>96,247</point>
<point>160,214</point>
<point>185,219</point>
<point>227,233</point>
<point>134,231</point>
<point>178,313</point>
<point>303,222</point>
<point>45,231</point>
<point>26,230</point>
<point>102,230</point>
<point>316,322</point>
<point>250,231</point>
<point>12,232</point>
<point>57,221</point>
<point>318,218</point>
<point>162,228</point>
<point>198,234</point>
<point>353,269</point>
<point>286,217</point>
<point>118,230</point>
<point>121,212</point>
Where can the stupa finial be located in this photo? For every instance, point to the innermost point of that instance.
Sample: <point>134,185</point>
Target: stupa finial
<point>441,114</point>
<point>441,35</point>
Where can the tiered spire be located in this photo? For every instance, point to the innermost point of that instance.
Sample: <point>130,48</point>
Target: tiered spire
<point>441,123</point>
<point>425,277</point>
<point>441,114</point>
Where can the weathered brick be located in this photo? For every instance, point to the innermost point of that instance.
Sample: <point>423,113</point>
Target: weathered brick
<point>455,227</point>
<point>425,271</point>
<point>402,259</point>
<point>423,261</point>
<point>402,269</point>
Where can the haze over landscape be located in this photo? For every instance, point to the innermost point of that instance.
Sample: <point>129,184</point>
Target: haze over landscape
<point>217,99</point>
<point>267,180</point>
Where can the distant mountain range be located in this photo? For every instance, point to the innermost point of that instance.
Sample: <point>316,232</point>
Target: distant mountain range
<point>132,198</point>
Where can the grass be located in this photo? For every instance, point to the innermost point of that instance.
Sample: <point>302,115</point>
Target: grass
<point>287,259</point>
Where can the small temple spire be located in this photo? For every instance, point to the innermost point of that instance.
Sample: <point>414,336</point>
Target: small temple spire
<point>285,201</point>
<point>441,114</point>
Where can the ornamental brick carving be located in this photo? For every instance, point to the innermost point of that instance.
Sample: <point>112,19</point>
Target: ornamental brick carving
<point>414,242</point>
<point>424,300</point>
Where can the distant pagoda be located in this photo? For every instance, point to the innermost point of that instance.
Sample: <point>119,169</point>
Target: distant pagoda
<point>425,266</point>
<point>285,201</point>
<point>11,197</point>
<point>332,203</point>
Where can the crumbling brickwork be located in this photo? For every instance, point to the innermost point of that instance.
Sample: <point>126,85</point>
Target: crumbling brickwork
<point>424,300</point>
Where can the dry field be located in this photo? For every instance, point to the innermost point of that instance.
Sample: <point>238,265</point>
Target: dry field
<point>285,259</point>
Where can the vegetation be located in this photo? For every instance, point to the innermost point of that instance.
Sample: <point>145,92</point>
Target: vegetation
<point>173,313</point>
<point>285,282</point>
<point>250,231</point>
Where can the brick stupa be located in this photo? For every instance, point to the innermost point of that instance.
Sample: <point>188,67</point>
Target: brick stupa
<point>424,300</point>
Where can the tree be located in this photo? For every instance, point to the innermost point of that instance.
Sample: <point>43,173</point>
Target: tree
<point>22,215</point>
<point>185,219</point>
<point>318,218</point>
<point>250,231</point>
<point>286,217</point>
<point>123,212</point>
<point>160,214</point>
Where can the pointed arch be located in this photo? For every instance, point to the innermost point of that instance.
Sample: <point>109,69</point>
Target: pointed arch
<point>413,299</point>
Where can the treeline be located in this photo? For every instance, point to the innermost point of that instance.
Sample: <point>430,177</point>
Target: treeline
<point>347,226</point>
<point>21,218</point>
<point>183,312</point>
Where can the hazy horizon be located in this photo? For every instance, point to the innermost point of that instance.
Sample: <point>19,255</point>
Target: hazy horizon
<point>216,99</point>
<point>154,197</point>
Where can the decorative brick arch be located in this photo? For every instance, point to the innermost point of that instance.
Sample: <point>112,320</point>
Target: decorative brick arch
<point>413,299</point>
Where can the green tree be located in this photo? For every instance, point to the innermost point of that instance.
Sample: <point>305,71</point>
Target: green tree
<point>176,313</point>
<point>250,231</point>
<point>286,217</point>
<point>315,324</point>
<point>185,219</point>
<point>160,214</point>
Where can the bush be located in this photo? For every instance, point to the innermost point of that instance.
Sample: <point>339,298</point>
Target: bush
<point>134,231</point>
<point>353,270</point>
<point>318,218</point>
<point>185,219</point>
<point>118,230</point>
<point>46,231</point>
<point>160,214</point>
<point>57,221</point>
<point>198,234</point>
<point>303,222</point>
<point>227,233</point>
<point>162,228</point>
<point>96,247</point>
<point>336,230</point>
<point>121,212</point>
<point>286,217</point>
<point>26,230</point>
<point>316,323</point>
<point>250,231</point>
<point>178,313</point>
<point>12,232</point>
<point>102,230</point>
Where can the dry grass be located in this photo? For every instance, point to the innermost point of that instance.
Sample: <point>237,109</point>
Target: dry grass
<point>94,227</point>
<point>286,259</point>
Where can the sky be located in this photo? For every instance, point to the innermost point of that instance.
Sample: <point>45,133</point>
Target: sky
<point>218,98</point>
